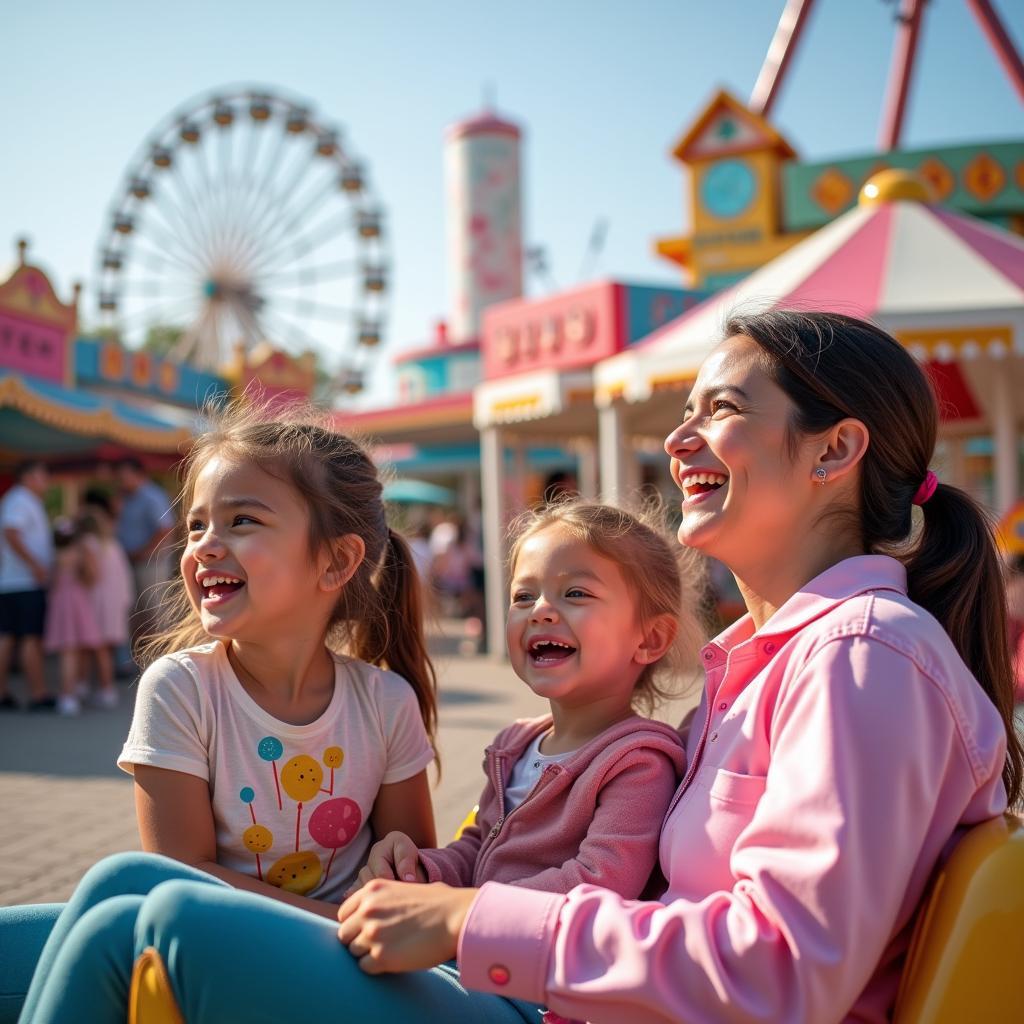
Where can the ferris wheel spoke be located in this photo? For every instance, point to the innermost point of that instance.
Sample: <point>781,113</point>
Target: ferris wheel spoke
<point>188,344</point>
<point>288,331</point>
<point>290,189</point>
<point>200,204</point>
<point>154,286</point>
<point>171,245</point>
<point>156,260</point>
<point>314,310</point>
<point>181,222</point>
<point>309,274</point>
<point>162,314</point>
<point>310,242</point>
<point>304,214</point>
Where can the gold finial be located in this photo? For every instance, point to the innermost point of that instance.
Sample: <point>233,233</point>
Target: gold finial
<point>895,185</point>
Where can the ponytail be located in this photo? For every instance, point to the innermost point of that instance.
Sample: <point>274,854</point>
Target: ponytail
<point>955,572</point>
<point>393,636</point>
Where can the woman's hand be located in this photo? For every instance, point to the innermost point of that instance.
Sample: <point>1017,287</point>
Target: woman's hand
<point>397,926</point>
<point>395,856</point>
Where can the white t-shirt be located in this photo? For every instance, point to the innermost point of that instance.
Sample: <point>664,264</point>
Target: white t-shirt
<point>527,770</point>
<point>23,511</point>
<point>291,803</point>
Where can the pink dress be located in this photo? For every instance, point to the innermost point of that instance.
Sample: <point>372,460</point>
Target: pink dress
<point>70,619</point>
<point>113,593</point>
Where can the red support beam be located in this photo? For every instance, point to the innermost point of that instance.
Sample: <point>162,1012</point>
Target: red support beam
<point>900,72</point>
<point>780,53</point>
<point>1000,41</point>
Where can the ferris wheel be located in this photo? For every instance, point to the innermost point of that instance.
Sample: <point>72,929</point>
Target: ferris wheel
<point>244,218</point>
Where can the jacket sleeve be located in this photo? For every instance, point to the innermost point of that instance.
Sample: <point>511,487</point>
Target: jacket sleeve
<point>454,864</point>
<point>867,761</point>
<point>620,848</point>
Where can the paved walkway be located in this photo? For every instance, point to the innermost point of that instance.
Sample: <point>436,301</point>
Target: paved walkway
<point>64,803</point>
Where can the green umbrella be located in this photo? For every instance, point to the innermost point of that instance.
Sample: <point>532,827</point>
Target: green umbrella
<point>417,492</point>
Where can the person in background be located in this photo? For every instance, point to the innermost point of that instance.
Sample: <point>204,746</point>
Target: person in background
<point>26,557</point>
<point>71,629</point>
<point>112,595</point>
<point>144,525</point>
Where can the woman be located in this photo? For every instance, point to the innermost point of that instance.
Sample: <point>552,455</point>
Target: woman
<point>842,740</point>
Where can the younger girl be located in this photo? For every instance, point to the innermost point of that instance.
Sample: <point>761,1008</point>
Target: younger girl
<point>577,795</point>
<point>269,742</point>
<point>111,593</point>
<point>71,627</point>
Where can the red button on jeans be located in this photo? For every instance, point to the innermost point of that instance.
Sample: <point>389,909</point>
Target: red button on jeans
<point>498,974</point>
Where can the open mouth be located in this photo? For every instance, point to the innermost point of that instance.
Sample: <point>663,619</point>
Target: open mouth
<point>216,588</point>
<point>549,652</point>
<point>695,484</point>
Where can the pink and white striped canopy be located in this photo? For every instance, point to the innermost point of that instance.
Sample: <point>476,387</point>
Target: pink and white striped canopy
<point>904,264</point>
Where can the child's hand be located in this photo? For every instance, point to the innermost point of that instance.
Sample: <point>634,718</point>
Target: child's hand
<point>394,857</point>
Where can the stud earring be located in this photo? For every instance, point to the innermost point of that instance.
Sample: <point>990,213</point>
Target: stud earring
<point>821,473</point>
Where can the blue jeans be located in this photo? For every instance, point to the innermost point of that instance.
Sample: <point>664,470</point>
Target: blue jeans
<point>230,955</point>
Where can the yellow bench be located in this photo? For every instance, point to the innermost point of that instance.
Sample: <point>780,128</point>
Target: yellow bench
<point>965,962</point>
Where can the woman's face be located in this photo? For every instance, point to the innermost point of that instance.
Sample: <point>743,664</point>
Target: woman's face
<point>743,492</point>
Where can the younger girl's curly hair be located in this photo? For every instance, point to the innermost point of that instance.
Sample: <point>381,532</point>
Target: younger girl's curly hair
<point>664,578</point>
<point>379,614</point>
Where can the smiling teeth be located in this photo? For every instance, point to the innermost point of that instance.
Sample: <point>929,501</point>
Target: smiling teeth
<point>212,581</point>
<point>704,478</point>
<point>551,643</point>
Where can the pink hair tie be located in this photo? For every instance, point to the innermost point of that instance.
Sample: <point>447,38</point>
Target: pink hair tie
<point>927,488</point>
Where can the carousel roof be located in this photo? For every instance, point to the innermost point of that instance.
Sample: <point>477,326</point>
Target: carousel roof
<point>894,258</point>
<point>41,417</point>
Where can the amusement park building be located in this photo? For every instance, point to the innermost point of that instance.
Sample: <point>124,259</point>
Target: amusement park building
<point>77,400</point>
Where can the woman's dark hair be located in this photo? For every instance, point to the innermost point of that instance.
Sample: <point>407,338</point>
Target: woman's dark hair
<point>379,614</point>
<point>832,367</point>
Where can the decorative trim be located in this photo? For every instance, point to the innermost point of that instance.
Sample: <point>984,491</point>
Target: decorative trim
<point>102,422</point>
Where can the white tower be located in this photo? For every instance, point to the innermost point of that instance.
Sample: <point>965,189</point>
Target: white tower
<point>484,223</point>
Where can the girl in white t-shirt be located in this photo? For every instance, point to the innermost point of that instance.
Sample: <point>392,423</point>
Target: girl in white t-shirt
<point>270,743</point>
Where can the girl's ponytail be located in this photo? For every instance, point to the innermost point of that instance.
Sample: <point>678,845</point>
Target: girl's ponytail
<point>955,572</point>
<point>394,634</point>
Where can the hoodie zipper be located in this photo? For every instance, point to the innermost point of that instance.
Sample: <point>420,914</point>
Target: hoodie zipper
<point>548,771</point>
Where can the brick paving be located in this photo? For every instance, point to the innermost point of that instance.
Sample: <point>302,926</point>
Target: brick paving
<point>64,804</point>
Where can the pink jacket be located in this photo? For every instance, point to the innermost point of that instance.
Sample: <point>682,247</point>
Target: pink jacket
<point>839,750</point>
<point>594,817</point>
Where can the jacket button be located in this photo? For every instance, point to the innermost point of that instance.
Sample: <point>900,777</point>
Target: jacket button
<point>709,655</point>
<point>769,648</point>
<point>722,706</point>
<point>498,974</point>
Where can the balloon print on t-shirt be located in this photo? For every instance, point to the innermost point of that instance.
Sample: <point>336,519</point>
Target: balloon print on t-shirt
<point>257,838</point>
<point>333,824</point>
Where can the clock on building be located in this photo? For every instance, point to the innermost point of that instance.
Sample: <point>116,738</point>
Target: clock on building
<point>728,188</point>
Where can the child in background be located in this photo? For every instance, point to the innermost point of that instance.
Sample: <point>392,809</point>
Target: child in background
<point>112,594</point>
<point>289,720</point>
<point>71,628</point>
<point>598,608</point>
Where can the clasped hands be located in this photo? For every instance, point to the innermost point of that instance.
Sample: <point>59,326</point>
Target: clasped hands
<point>391,925</point>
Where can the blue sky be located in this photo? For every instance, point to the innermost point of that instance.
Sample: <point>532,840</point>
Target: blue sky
<point>602,90</point>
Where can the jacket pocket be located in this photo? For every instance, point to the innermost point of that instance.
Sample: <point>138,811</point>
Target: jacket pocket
<point>734,788</point>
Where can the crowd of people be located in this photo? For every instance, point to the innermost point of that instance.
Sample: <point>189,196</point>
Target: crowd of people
<point>80,587</point>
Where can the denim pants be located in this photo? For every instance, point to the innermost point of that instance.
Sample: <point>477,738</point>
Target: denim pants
<point>230,956</point>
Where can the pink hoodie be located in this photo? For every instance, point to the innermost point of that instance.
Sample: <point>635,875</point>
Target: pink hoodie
<point>841,747</point>
<point>594,817</point>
